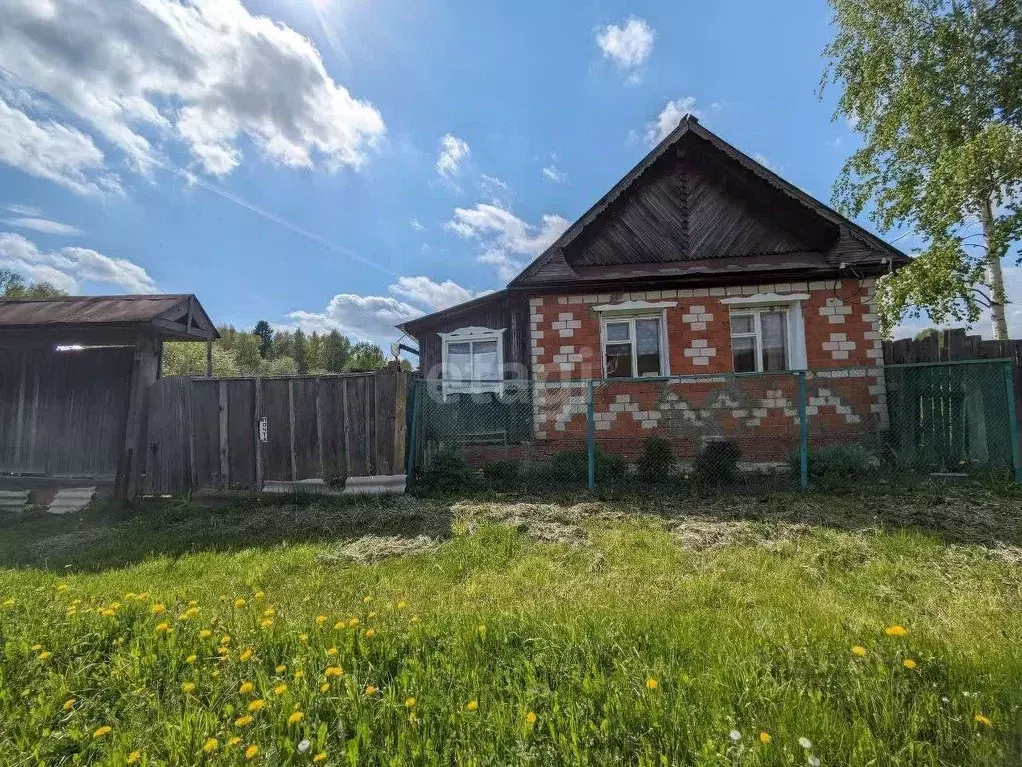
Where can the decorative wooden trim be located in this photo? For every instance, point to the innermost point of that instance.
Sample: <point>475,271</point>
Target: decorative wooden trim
<point>634,307</point>
<point>765,298</point>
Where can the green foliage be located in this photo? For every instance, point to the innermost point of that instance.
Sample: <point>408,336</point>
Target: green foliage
<point>501,472</point>
<point>657,461</point>
<point>335,352</point>
<point>573,466</point>
<point>448,472</point>
<point>933,88</point>
<point>835,465</point>
<point>366,356</point>
<point>265,334</point>
<point>717,463</point>
<point>13,285</point>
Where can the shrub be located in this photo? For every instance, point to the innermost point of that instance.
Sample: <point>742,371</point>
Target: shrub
<point>573,466</point>
<point>502,471</point>
<point>836,463</point>
<point>717,464</point>
<point>448,472</point>
<point>657,461</point>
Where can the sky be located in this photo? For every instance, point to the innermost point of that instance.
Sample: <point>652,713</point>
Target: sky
<point>351,164</point>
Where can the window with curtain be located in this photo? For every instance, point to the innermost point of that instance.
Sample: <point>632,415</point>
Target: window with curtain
<point>759,339</point>
<point>633,348</point>
<point>472,364</point>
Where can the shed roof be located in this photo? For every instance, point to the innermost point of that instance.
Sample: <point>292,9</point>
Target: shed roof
<point>174,317</point>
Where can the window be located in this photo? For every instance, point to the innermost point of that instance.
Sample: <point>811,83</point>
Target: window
<point>473,359</point>
<point>759,339</point>
<point>633,347</point>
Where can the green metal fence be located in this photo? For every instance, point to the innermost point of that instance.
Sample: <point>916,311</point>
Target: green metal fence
<point>792,428</point>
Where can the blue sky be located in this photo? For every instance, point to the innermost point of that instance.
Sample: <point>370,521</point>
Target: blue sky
<point>352,163</point>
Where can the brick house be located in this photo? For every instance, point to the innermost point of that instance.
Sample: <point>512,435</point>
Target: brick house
<point>693,292</point>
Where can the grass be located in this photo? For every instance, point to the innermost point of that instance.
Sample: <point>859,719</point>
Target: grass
<point>514,631</point>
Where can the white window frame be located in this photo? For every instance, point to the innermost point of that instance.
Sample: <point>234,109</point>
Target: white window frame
<point>794,327</point>
<point>471,335</point>
<point>630,312</point>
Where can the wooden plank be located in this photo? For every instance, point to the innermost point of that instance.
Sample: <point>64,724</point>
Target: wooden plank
<point>223,434</point>
<point>345,413</point>
<point>306,436</point>
<point>319,430</point>
<point>291,427</point>
<point>260,457</point>
<point>240,437</point>
<point>277,450</point>
<point>205,422</point>
<point>193,477</point>
<point>128,484</point>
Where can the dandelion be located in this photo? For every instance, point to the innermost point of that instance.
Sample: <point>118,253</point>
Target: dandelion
<point>205,634</point>
<point>320,620</point>
<point>280,689</point>
<point>324,687</point>
<point>472,705</point>
<point>333,671</point>
<point>69,704</point>
<point>353,622</point>
<point>158,608</point>
<point>372,614</point>
<point>225,639</point>
<point>259,595</point>
<point>908,663</point>
<point>163,628</point>
<point>859,651</point>
<point>303,638</point>
<point>45,655</point>
<point>246,688</point>
<point>339,625</point>
<point>246,654</point>
<point>280,669</point>
<point>210,745</point>
<point>805,743</point>
<point>104,730</point>
<point>295,717</point>
<point>370,633</point>
<point>896,631</point>
<point>251,752</point>
<point>331,651</point>
<point>410,702</point>
<point>269,612</point>
<point>370,690</point>
<point>266,622</point>
<point>134,756</point>
<point>814,761</point>
<point>367,599</point>
<point>764,737</point>
<point>320,757</point>
<point>188,687</point>
<point>234,741</point>
<point>61,587</point>
<point>107,613</point>
<point>651,683</point>
<point>9,602</point>
<point>191,659</point>
<point>299,674</point>
<point>36,647</point>
<point>243,721</point>
<point>257,705</point>
<point>304,745</point>
<point>983,720</point>
<point>735,735</point>
<point>402,605</point>
<point>530,717</point>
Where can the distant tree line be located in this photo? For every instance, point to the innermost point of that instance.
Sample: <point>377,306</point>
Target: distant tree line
<point>263,351</point>
<point>13,285</point>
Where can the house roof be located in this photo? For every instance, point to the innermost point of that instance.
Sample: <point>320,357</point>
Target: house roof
<point>173,317</point>
<point>411,326</point>
<point>851,243</point>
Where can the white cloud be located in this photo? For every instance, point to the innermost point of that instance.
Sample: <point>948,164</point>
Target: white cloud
<point>670,116</point>
<point>552,174</point>
<point>54,152</point>
<point>628,46</point>
<point>434,295</point>
<point>205,73</point>
<point>505,236</point>
<point>44,225</point>
<point>68,267</point>
<point>452,151</point>
<point>23,210</point>
<point>370,318</point>
<point>416,225</point>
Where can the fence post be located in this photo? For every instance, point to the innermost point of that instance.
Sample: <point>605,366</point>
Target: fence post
<point>1009,392</point>
<point>591,436</point>
<point>410,470</point>
<point>803,432</point>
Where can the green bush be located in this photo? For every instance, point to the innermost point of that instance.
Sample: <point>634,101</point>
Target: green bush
<point>717,463</point>
<point>448,472</point>
<point>502,471</point>
<point>657,461</point>
<point>573,466</point>
<point>836,463</point>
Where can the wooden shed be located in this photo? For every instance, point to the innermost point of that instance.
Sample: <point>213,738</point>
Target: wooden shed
<point>74,376</point>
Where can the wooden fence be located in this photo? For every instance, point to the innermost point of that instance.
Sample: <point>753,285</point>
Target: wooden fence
<point>241,432</point>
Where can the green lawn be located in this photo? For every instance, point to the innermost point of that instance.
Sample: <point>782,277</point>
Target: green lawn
<point>655,632</point>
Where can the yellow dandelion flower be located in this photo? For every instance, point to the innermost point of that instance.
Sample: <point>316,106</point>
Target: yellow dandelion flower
<point>320,757</point>
<point>280,669</point>
<point>205,634</point>
<point>240,603</point>
<point>280,689</point>
<point>191,659</point>
<point>370,633</point>
<point>142,597</point>
<point>651,683</point>
<point>764,737</point>
<point>134,756</point>
<point>339,625</point>
<point>331,651</point>
<point>257,705</point>
<point>402,605</point>
<point>333,671</point>
<point>158,608</point>
<point>295,717</point>
<point>250,752</point>
<point>303,638</point>
<point>859,651</point>
<point>367,599</point>
<point>107,613</point>
<point>269,612</point>
<point>188,687</point>
<point>983,720</point>
<point>299,674</point>
<point>530,717</point>
<point>36,647</point>
<point>9,602</point>
<point>61,587</point>
<point>895,631</point>
<point>259,595</point>
<point>246,688</point>
<point>45,655</point>
<point>225,639</point>
<point>320,620</point>
<point>266,622</point>
<point>324,687</point>
<point>104,730</point>
<point>353,622</point>
<point>481,629</point>
<point>69,704</point>
<point>472,705</point>
<point>372,614</point>
<point>410,702</point>
<point>908,663</point>
<point>246,654</point>
<point>222,650</point>
<point>163,628</point>
<point>210,745</point>
<point>243,721</point>
<point>234,741</point>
